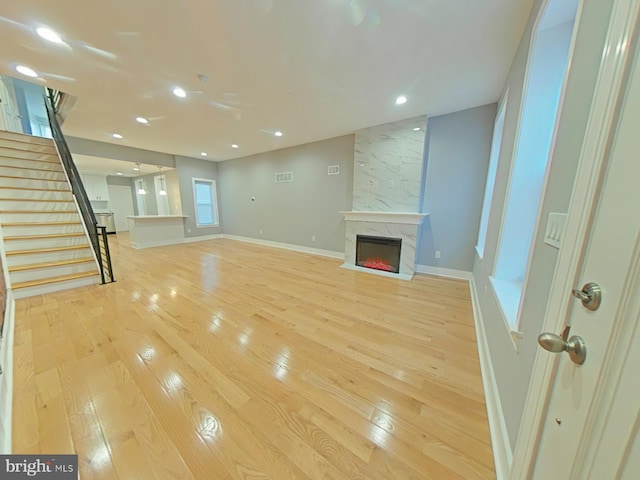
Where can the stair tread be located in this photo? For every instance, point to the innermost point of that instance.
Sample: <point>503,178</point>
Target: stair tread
<point>61,278</point>
<point>33,200</point>
<point>25,138</point>
<point>58,263</point>
<point>2,157</point>
<point>33,169</point>
<point>43,236</point>
<point>55,212</point>
<point>35,189</point>
<point>47,250</point>
<point>37,224</point>
<point>34,178</point>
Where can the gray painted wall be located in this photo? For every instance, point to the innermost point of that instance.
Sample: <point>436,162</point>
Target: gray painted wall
<point>456,161</point>
<point>513,367</point>
<point>290,212</point>
<point>187,169</point>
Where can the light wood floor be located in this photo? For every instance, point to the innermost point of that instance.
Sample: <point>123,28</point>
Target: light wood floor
<point>227,360</point>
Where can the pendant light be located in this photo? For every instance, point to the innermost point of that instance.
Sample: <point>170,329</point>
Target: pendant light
<point>141,190</point>
<point>163,191</point>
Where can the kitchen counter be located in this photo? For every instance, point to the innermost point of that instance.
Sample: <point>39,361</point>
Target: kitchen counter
<point>155,230</point>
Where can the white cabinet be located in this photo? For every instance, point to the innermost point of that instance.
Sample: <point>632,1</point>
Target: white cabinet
<point>96,187</point>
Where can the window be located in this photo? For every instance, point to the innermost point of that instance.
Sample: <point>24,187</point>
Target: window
<point>496,143</point>
<point>162,199</point>
<point>546,71</point>
<point>206,203</point>
<point>140,193</point>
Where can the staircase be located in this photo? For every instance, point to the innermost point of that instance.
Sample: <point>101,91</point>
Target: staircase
<point>46,246</point>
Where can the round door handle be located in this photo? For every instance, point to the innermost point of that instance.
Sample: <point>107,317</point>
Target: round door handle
<point>575,346</point>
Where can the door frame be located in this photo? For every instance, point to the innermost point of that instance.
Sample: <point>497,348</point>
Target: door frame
<point>608,96</point>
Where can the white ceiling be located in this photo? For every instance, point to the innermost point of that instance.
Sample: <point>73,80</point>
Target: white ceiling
<point>107,166</point>
<point>312,69</point>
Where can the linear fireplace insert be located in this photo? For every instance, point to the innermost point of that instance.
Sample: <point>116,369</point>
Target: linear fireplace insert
<point>379,253</point>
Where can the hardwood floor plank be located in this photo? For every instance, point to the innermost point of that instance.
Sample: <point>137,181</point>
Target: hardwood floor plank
<point>225,360</point>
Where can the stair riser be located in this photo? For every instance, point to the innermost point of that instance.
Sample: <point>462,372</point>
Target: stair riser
<point>48,206</point>
<point>35,194</point>
<point>18,182</point>
<point>55,287</point>
<point>23,163</point>
<point>39,217</point>
<point>13,260</point>
<point>13,245</point>
<point>28,147</point>
<point>30,139</point>
<point>41,230</point>
<point>35,174</point>
<point>26,155</point>
<point>27,275</point>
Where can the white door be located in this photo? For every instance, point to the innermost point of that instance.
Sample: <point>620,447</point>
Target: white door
<point>121,204</point>
<point>9,113</point>
<point>590,429</point>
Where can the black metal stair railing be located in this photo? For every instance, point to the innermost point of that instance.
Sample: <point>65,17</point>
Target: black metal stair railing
<point>97,235</point>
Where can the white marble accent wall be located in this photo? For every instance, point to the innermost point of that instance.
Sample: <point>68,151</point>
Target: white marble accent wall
<point>407,232</point>
<point>387,172</point>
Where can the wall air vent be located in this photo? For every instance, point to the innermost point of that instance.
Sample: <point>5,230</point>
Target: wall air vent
<point>284,177</point>
<point>333,170</point>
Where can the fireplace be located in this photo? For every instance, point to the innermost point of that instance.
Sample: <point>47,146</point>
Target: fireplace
<point>378,253</point>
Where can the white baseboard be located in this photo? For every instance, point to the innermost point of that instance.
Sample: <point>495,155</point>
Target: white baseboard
<point>287,246</point>
<point>444,272</point>
<point>502,451</point>
<point>202,238</point>
<point>6,378</point>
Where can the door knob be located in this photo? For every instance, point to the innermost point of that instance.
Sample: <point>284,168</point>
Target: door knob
<point>575,346</point>
<point>590,295</point>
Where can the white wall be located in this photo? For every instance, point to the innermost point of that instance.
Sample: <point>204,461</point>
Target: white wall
<point>513,367</point>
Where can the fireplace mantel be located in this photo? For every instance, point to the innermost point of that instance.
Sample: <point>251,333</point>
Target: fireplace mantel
<point>385,217</point>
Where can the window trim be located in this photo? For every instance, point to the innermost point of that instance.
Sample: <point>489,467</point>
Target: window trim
<point>214,199</point>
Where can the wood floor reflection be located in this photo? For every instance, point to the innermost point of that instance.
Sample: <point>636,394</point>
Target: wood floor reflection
<point>227,360</point>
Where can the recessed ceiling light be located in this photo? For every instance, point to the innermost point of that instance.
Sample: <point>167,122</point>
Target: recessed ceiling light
<point>117,135</point>
<point>142,120</point>
<point>119,173</point>
<point>233,145</point>
<point>26,71</point>
<point>136,168</point>
<point>417,129</point>
<point>401,100</point>
<point>49,34</point>
<point>179,92</point>
<point>278,133</point>
<point>204,154</point>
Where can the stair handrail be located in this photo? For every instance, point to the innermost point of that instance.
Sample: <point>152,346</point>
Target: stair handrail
<point>77,187</point>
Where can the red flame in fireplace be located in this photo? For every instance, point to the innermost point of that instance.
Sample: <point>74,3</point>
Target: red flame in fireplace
<point>377,263</point>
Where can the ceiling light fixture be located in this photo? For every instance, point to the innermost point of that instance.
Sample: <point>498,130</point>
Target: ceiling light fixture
<point>179,92</point>
<point>142,120</point>
<point>142,191</point>
<point>234,145</point>
<point>136,168</point>
<point>49,34</point>
<point>417,129</point>
<point>26,71</point>
<point>117,135</point>
<point>278,133</point>
<point>204,154</point>
<point>119,173</point>
<point>401,100</point>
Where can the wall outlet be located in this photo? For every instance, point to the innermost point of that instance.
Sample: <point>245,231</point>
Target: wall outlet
<point>188,230</point>
<point>313,238</point>
<point>390,184</point>
<point>437,253</point>
<point>260,231</point>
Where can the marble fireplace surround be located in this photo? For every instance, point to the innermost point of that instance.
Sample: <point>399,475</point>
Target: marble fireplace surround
<point>384,224</point>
